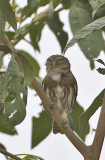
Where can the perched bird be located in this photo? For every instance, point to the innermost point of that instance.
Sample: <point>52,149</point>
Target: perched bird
<point>60,86</point>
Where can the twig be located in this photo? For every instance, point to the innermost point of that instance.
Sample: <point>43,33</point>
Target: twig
<point>9,154</point>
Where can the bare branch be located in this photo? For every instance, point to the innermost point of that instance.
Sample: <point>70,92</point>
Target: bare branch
<point>9,154</point>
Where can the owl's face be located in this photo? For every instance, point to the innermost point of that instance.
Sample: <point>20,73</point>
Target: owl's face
<point>57,62</point>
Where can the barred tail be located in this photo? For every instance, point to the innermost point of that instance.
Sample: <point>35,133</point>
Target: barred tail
<point>56,128</point>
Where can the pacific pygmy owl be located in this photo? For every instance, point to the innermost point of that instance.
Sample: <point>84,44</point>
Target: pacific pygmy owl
<point>60,86</point>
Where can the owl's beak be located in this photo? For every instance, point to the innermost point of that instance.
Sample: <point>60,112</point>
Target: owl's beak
<point>54,63</point>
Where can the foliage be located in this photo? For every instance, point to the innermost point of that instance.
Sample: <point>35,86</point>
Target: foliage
<point>28,157</point>
<point>87,21</point>
<point>74,121</point>
<point>42,126</point>
<point>85,116</point>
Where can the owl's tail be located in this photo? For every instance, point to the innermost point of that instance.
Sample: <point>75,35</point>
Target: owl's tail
<point>56,128</point>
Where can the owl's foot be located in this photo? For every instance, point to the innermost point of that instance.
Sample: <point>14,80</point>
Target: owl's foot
<point>65,123</point>
<point>52,106</point>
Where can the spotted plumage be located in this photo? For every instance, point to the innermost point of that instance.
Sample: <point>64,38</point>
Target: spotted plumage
<point>60,86</point>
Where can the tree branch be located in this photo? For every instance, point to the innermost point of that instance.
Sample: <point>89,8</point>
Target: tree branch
<point>81,147</point>
<point>100,132</point>
<point>37,18</point>
<point>9,154</point>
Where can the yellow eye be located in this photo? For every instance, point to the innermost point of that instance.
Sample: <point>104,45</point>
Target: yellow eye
<point>60,60</point>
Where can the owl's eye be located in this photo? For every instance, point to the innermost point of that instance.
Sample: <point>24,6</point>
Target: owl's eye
<point>60,60</point>
<point>50,60</point>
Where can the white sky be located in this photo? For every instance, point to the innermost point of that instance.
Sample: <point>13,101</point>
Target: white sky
<point>90,83</point>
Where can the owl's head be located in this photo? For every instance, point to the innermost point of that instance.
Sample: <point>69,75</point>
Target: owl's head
<point>57,62</point>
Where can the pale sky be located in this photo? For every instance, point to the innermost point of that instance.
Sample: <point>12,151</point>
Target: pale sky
<point>90,84</point>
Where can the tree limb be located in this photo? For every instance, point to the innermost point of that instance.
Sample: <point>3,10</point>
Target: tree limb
<point>37,17</point>
<point>100,132</point>
<point>9,154</point>
<point>81,147</point>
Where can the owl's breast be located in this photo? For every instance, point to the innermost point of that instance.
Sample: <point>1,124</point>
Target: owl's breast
<point>59,92</point>
<point>56,94</point>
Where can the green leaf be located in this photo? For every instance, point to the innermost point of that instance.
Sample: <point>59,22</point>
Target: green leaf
<point>8,13</point>
<point>5,48</point>
<point>101,70</point>
<point>28,69</point>
<point>15,83</point>
<point>75,116</point>
<point>35,33</point>
<point>17,95</point>
<point>11,83</point>
<point>56,3</point>
<point>32,157</point>
<point>90,111</point>
<point>32,61</point>
<point>99,12</point>
<point>2,88</point>
<point>10,35</point>
<point>41,127</point>
<point>2,22</point>
<point>95,4</point>
<point>13,95</point>
<point>2,146</point>
<point>56,26</point>
<point>66,4</point>
<point>15,112</point>
<point>89,43</point>
<point>100,61</point>
<point>79,16</point>
<point>97,24</point>
<point>13,69</point>
<point>32,7</point>
<point>4,128</point>
<point>78,20</point>
<point>1,58</point>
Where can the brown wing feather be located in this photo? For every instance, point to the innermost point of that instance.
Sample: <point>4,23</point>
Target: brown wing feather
<point>49,85</point>
<point>68,80</point>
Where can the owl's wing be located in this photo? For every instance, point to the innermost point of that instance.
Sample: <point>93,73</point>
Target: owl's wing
<point>48,85</point>
<point>68,80</point>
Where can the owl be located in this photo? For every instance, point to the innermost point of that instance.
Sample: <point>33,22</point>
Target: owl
<point>60,87</point>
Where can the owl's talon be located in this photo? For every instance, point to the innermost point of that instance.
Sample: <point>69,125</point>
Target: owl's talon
<point>65,124</point>
<point>52,106</point>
